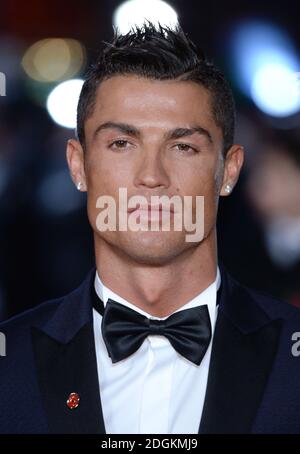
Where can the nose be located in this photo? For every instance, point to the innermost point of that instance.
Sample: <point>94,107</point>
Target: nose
<point>151,171</point>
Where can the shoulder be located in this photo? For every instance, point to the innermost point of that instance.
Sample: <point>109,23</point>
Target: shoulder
<point>273,307</point>
<point>41,314</point>
<point>36,315</point>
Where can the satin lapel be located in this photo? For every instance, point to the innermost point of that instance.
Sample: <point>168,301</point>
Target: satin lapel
<point>243,351</point>
<point>63,369</point>
<point>65,358</point>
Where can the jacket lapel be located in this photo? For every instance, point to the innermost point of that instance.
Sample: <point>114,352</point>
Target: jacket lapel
<point>243,351</point>
<point>65,358</point>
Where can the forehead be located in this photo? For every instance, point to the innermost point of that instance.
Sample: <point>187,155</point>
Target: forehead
<point>156,103</point>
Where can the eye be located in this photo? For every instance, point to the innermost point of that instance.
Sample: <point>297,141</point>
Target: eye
<point>119,144</point>
<point>186,148</point>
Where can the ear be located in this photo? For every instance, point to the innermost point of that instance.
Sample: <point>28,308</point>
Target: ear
<point>232,167</point>
<point>75,159</point>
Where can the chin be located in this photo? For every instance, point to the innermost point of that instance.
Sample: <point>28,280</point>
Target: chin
<point>150,259</point>
<point>157,250</point>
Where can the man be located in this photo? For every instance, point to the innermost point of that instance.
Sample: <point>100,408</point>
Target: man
<point>158,338</point>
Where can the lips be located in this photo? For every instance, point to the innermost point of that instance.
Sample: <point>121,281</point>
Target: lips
<point>152,208</point>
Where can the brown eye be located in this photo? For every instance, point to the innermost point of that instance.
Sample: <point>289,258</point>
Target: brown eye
<point>119,144</point>
<point>184,147</point>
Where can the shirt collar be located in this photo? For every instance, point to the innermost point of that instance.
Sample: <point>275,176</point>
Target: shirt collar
<point>207,296</point>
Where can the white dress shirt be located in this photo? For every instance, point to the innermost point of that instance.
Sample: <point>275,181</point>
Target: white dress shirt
<point>155,390</point>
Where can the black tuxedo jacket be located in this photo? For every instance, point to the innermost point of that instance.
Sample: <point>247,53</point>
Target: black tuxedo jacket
<point>253,383</point>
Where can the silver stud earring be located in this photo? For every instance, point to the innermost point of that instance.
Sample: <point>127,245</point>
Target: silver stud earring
<point>228,189</point>
<point>79,185</point>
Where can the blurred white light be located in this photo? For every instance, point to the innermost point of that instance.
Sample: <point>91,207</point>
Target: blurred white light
<point>265,61</point>
<point>275,90</point>
<point>62,102</point>
<point>136,12</point>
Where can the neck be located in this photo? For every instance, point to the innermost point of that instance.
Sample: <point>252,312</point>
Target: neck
<point>158,290</point>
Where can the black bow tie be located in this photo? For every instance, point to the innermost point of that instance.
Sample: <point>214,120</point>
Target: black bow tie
<point>124,330</point>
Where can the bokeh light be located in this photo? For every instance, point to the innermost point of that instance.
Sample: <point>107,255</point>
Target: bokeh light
<point>54,59</point>
<point>135,12</point>
<point>275,90</point>
<point>265,64</point>
<point>62,102</point>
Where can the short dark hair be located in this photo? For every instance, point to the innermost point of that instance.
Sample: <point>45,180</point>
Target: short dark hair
<point>161,53</point>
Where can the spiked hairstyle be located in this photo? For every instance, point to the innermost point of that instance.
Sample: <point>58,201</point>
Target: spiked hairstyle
<point>160,53</point>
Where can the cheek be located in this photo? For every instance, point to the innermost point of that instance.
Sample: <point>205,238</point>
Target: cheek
<point>201,183</point>
<point>199,180</point>
<point>105,176</point>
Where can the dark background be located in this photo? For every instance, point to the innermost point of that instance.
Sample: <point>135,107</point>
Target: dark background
<point>45,240</point>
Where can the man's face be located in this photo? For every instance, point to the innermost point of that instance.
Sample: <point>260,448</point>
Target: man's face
<point>153,138</point>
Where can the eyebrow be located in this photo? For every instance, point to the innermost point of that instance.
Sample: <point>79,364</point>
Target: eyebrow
<point>169,135</point>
